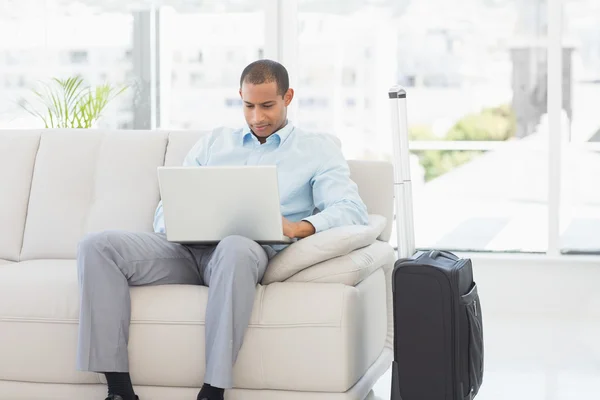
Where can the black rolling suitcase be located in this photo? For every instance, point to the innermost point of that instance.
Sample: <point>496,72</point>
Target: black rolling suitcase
<point>438,329</point>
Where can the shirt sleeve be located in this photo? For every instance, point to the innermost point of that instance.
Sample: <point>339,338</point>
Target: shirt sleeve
<point>196,157</point>
<point>335,194</point>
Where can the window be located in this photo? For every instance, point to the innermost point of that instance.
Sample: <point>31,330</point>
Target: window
<point>10,58</point>
<point>130,76</point>
<point>467,84</point>
<point>580,197</point>
<point>233,103</point>
<point>313,102</point>
<point>477,93</point>
<point>61,44</point>
<point>220,54</point>
<point>230,56</point>
<point>72,39</point>
<point>196,78</point>
<point>349,77</point>
<point>78,57</point>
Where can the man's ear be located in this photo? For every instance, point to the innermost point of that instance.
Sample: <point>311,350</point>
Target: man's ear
<point>241,93</point>
<point>288,96</point>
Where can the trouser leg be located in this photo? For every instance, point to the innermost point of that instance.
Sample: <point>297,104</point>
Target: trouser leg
<point>232,272</point>
<point>107,264</point>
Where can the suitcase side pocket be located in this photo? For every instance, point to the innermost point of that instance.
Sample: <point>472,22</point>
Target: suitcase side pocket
<point>470,305</point>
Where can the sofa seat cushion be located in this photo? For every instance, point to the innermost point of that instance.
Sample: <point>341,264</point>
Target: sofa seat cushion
<point>302,336</point>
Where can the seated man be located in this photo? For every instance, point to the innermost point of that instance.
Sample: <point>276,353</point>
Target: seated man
<point>314,174</point>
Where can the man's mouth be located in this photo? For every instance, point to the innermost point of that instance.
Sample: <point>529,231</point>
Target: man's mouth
<point>261,127</point>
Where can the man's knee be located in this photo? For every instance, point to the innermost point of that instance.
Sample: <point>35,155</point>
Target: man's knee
<point>242,250</point>
<point>97,243</point>
<point>90,242</point>
<point>236,241</point>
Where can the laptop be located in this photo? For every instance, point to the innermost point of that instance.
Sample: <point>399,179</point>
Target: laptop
<point>203,205</point>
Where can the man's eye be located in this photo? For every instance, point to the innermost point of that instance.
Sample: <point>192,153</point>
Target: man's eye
<point>269,106</point>
<point>249,106</point>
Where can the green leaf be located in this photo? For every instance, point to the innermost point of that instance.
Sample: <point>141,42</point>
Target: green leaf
<point>51,120</point>
<point>68,103</point>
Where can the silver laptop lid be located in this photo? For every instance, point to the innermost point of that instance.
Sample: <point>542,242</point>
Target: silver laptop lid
<point>207,204</point>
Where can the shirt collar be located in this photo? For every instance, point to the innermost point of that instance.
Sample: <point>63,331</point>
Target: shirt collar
<point>277,137</point>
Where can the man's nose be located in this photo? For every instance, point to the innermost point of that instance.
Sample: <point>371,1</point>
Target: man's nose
<point>258,116</point>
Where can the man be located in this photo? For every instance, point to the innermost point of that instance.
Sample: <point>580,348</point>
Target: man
<point>314,174</point>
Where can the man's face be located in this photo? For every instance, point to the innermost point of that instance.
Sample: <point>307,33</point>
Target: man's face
<point>264,109</point>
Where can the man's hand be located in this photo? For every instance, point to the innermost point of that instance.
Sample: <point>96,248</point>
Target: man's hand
<point>299,230</point>
<point>288,228</point>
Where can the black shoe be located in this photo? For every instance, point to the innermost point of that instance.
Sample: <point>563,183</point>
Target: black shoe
<point>210,393</point>
<point>117,397</point>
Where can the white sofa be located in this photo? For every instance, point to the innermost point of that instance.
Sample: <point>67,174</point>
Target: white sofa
<point>319,331</point>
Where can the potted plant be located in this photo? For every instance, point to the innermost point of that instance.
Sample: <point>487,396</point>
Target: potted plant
<point>68,103</point>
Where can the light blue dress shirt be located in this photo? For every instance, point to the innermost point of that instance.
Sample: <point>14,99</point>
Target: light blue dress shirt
<point>312,173</point>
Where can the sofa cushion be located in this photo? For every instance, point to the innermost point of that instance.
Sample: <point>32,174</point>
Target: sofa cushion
<point>179,145</point>
<point>87,181</point>
<point>322,246</point>
<point>302,336</point>
<point>350,269</point>
<point>39,303</point>
<point>17,156</point>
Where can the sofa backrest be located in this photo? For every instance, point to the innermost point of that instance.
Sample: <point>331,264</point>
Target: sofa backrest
<point>85,181</point>
<point>17,156</point>
<point>58,185</point>
<point>375,180</point>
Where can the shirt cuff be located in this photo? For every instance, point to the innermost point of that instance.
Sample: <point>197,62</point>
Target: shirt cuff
<point>318,221</point>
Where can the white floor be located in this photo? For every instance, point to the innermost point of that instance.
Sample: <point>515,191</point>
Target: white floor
<point>535,360</point>
<point>546,349</point>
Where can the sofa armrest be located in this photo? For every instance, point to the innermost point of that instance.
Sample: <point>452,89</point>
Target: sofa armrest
<point>350,269</point>
<point>322,246</point>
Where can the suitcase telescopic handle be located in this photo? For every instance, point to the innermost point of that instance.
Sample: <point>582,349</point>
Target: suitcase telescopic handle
<point>405,229</point>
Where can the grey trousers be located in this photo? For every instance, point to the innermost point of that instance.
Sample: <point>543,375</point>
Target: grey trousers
<point>111,261</point>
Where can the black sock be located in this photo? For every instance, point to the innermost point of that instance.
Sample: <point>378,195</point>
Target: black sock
<point>120,383</point>
<point>210,392</point>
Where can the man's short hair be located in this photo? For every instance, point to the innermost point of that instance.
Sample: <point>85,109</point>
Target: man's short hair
<point>264,71</point>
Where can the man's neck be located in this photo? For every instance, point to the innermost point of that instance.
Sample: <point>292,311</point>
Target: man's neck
<point>263,140</point>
